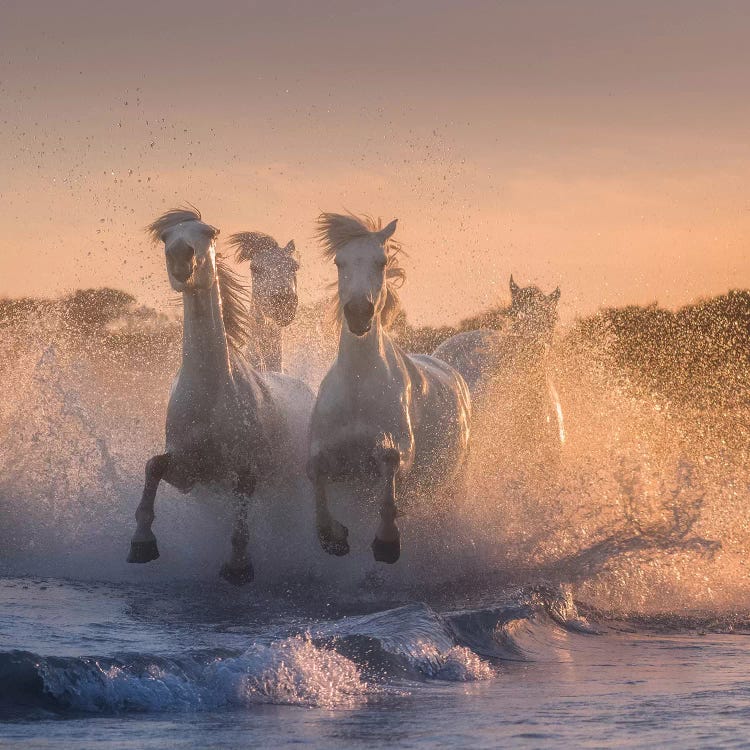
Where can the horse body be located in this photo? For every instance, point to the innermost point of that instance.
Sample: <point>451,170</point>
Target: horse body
<point>381,415</point>
<point>474,354</point>
<point>507,372</point>
<point>376,393</point>
<point>227,424</point>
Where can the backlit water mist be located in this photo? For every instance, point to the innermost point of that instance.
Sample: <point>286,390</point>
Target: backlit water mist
<point>644,510</point>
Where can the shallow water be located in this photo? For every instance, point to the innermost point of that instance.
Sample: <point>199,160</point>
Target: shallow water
<point>201,666</point>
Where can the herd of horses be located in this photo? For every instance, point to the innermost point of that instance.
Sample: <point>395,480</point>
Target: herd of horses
<point>395,427</point>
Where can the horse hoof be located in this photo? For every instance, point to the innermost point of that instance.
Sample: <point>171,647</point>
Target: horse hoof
<point>143,552</point>
<point>334,543</point>
<point>237,576</point>
<point>386,552</point>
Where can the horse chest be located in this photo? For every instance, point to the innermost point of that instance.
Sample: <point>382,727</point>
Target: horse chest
<point>376,406</point>
<point>211,423</point>
<point>353,422</point>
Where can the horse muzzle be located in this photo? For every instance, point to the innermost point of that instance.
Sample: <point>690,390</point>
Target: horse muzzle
<point>181,272</point>
<point>359,316</point>
<point>180,261</point>
<point>283,308</point>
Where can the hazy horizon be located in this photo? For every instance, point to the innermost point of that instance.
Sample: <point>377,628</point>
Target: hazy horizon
<point>601,148</point>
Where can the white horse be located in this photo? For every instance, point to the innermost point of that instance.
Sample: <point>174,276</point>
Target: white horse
<point>227,424</point>
<point>398,420</point>
<point>273,270</point>
<point>509,369</point>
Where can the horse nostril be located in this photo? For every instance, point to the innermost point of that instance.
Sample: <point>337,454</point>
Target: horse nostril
<point>182,271</point>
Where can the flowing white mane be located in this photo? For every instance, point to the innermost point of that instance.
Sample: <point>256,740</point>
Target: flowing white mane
<point>172,218</point>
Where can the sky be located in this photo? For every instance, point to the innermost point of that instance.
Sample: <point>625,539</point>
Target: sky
<point>599,146</point>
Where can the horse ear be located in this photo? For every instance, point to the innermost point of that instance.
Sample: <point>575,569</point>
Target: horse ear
<point>387,232</point>
<point>292,251</point>
<point>555,296</point>
<point>513,287</point>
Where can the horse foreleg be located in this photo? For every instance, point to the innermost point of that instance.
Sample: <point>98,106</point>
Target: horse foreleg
<point>239,570</point>
<point>386,547</point>
<point>143,545</point>
<point>331,534</point>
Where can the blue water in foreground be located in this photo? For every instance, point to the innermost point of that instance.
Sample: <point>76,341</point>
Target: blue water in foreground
<point>208,666</point>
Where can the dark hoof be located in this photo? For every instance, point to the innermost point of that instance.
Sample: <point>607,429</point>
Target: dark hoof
<point>237,576</point>
<point>334,544</point>
<point>386,552</point>
<point>143,552</point>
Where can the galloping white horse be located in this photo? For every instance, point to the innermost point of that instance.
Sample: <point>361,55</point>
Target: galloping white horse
<point>273,270</point>
<point>509,370</point>
<point>382,415</point>
<point>227,424</point>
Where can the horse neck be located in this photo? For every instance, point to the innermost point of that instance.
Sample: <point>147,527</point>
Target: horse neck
<point>269,339</point>
<point>362,354</point>
<point>205,350</point>
<point>530,359</point>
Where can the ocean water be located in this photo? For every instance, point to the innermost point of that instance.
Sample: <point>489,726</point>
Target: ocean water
<point>92,664</point>
<point>602,603</point>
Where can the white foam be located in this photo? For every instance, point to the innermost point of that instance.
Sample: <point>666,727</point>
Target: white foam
<point>290,672</point>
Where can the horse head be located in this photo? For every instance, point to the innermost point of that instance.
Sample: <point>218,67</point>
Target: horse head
<point>365,258</point>
<point>189,248</point>
<point>533,313</point>
<point>274,273</point>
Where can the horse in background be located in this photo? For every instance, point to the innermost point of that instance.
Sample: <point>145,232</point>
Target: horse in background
<point>398,424</point>
<point>227,423</point>
<point>507,371</point>
<point>273,271</point>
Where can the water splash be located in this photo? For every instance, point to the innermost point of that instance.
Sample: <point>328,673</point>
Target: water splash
<point>645,509</point>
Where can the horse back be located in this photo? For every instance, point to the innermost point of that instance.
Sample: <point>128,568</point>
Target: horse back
<point>473,354</point>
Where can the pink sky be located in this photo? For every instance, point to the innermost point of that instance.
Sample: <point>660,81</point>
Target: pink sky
<point>599,146</point>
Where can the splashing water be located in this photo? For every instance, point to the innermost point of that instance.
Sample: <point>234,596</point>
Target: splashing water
<point>644,510</point>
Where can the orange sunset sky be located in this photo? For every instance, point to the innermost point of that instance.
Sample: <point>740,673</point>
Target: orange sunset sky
<point>601,146</point>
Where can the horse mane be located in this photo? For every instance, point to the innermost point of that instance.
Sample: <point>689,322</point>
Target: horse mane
<point>334,232</point>
<point>247,244</point>
<point>235,306</point>
<point>172,218</point>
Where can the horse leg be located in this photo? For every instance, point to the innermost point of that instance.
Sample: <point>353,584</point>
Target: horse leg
<point>239,570</point>
<point>331,533</point>
<point>386,547</point>
<point>143,545</point>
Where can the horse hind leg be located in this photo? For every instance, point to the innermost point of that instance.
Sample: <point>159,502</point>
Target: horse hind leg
<point>239,569</point>
<point>143,547</point>
<point>386,547</point>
